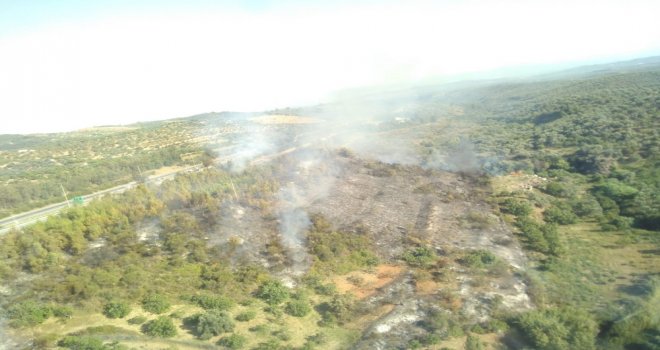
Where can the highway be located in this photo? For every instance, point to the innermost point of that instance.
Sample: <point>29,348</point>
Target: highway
<point>32,216</point>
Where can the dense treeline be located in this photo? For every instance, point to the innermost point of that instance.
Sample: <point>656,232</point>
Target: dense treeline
<point>602,129</point>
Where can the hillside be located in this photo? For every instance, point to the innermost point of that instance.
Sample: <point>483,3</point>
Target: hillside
<point>500,214</point>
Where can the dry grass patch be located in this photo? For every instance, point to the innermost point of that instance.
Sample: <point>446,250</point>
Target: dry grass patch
<point>363,284</point>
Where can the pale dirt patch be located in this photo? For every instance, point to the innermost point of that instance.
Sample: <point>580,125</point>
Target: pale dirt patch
<point>427,287</point>
<point>517,181</point>
<point>369,282</point>
<point>166,170</point>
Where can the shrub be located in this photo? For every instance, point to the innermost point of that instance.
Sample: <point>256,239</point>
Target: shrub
<point>28,314</point>
<point>137,320</point>
<point>216,302</point>
<point>420,256</point>
<point>161,327</point>
<point>556,329</point>
<point>246,316</point>
<point>61,311</point>
<point>272,344</point>
<point>557,189</point>
<point>479,259</point>
<point>155,303</point>
<point>282,335</point>
<point>234,341</point>
<point>337,310</point>
<point>298,308</point>
<point>318,338</point>
<point>116,309</point>
<point>474,343</point>
<point>587,206</point>
<point>516,207</point>
<point>273,292</point>
<point>83,343</point>
<point>559,215</point>
<point>210,324</point>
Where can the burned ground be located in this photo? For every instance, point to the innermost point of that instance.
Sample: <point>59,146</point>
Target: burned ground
<point>398,207</point>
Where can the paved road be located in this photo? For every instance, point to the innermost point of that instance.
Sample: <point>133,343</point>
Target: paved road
<point>32,216</point>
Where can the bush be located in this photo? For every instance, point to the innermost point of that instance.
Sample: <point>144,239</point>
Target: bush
<point>558,329</point>
<point>420,257</point>
<point>246,316</point>
<point>234,341</point>
<point>84,343</point>
<point>137,320</point>
<point>272,344</point>
<point>479,259</point>
<point>516,207</point>
<point>558,189</point>
<point>210,324</point>
<point>317,339</point>
<point>298,308</point>
<point>559,215</point>
<point>28,314</point>
<point>155,303</point>
<point>337,310</point>
<point>161,327</point>
<point>272,292</point>
<point>215,302</point>
<point>116,309</point>
<point>62,311</point>
<point>474,343</point>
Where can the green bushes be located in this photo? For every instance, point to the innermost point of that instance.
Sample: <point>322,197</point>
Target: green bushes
<point>234,341</point>
<point>516,207</point>
<point>558,329</point>
<point>340,252</point>
<point>210,324</point>
<point>474,343</point>
<point>156,304</point>
<point>246,316</point>
<point>339,309</point>
<point>28,314</point>
<point>272,292</point>
<point>137,320</point>
<point>73,342</point>
<point>116,309</point>
<point>298,308</point>
<point>479,259</point>
<point>212,302</point>
<point>559,214</point>
<point>420,257</point>
<point>541,238</point>
<point>558,189</point>
<point>161,327</point>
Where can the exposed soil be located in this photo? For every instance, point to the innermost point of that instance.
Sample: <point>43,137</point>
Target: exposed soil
<point>364,284</point>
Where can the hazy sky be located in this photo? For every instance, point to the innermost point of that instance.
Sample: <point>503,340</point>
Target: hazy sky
<point>73,64</point>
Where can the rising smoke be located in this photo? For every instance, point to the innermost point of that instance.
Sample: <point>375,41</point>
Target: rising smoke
<point>372,127</point>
